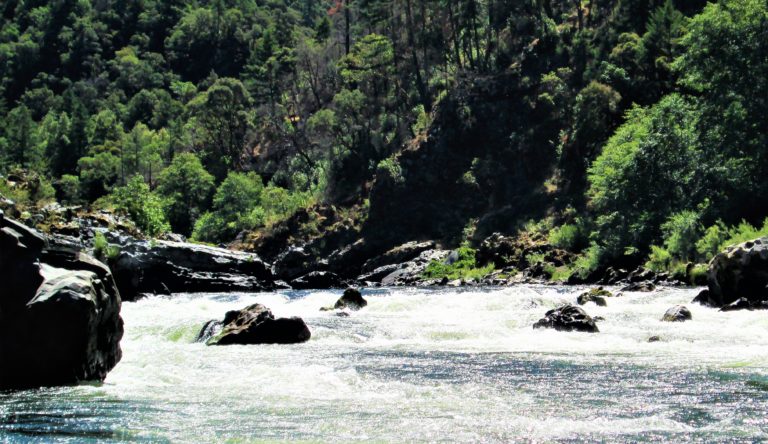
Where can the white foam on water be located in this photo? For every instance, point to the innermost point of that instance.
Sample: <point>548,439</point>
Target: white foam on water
<point>447,365</point>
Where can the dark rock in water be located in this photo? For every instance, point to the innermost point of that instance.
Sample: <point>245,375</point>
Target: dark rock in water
<point>678,313</point>
<point>160,267</point>
<point>745,304</point>
<point>598,318</point>
<point>342,314</point>
<point>704,298</point>
<point>654,339</point>
<point>254,325</point>
<point>587,297</point>
<point>59,313</point>
<point>595,295</point>
<point>398,255</point>
<point>567,318</point>
<point>351,299</point>
<point>640,287</point>
<point>741,271</point>
<point>317,280</point>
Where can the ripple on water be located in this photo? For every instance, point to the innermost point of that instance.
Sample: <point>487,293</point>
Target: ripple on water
<point>419,365</point>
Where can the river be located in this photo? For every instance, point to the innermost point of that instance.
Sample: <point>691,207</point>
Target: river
<point>442,365</point>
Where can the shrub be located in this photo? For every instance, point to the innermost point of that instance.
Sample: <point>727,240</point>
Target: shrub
<point>571,237</point>
<point>143,207</point>
<point>744,232</point>
<point>711,243</point>
<point>465,267</point>
<point>681,231</point>
<point>70,188</point>
<point>659,260</point>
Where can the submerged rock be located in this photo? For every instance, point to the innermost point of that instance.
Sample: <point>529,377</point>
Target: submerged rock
<point>163,267</point>
<point>654,339</point>
<point>567,318</point>
<point>678,313</point>
<point>254,324</point>
<point>59,313</point>
<point>741,271</point>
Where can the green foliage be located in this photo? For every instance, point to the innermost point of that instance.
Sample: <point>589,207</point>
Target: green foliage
<point>681,233</point>
<point>744,232</point>
<point>70,188</point>
<point>234,208</point>
<point>659,260</point>
<point>465,267</point>
<point>102,250</point>
<point>712,241</point>
<point>186,188</point>
<point>648,170</point>
<point>144,207</point>
<point>570,237</point>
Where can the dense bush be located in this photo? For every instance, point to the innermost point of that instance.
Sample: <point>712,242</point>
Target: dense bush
<point>144,207</point>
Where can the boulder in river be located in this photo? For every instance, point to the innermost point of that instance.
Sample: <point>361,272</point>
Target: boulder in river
<point>254,324</point>
<point>595,295</point>
<point>59,313</point>
<point>705,298</point>
<point>678,313</point>
<point>741,271</point>
<point>568,318</point>
<point>162,267</point>
<point>351,299</point>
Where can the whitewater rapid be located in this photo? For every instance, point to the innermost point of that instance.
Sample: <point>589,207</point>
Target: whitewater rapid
<point>420,365</point>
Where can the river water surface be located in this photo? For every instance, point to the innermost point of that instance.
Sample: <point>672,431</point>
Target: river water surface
<point>419,365</point>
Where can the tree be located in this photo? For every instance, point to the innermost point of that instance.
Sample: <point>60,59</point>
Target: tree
<point>224,118</point>
<point>186,188</point>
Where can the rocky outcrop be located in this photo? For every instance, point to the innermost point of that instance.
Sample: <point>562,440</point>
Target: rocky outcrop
<point>59,313</point>
<point>745,304</point>
<point>295,262</point>
<point>254,324</point>
<point>317,280</point>
<point>398,255</point>
<point>352,299</point>
<point>741,271</point>
<point>678,313</point>
<point>162,267</point>
<point>567,318</point>
<point>406,273</point>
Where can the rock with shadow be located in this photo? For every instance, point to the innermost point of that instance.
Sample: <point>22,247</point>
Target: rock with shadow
<point>352,299</point>
<point>59,312</point>
<point>567,318</point>
<point>254,324</point>
<point>678,313</point>
<point>162,267</point>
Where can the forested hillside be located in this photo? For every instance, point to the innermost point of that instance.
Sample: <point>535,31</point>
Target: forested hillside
<point>623,132</point>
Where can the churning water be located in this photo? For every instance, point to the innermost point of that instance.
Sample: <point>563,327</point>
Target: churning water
<point>420,365</point>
